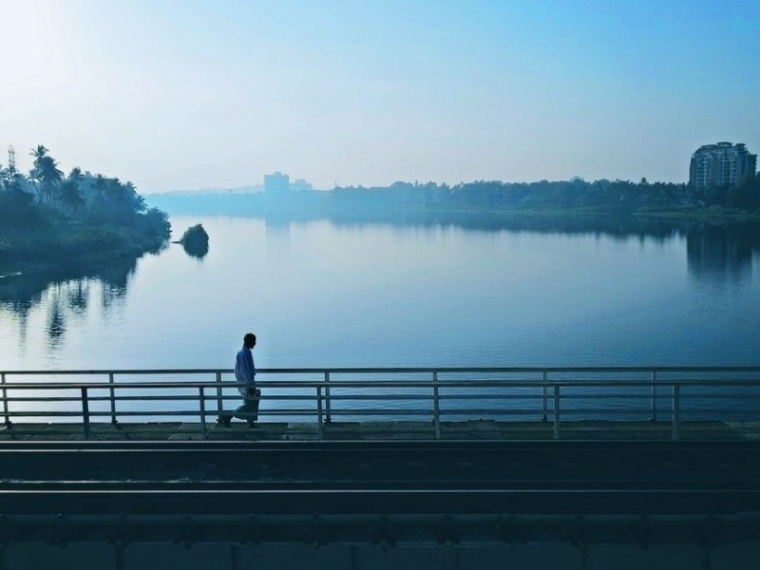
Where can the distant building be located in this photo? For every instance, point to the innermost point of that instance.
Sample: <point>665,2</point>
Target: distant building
<point>301,185</point>
<point>721,164</point>
<point>277,182</point>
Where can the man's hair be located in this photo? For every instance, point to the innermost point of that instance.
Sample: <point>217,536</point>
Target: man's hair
<point>249,337</point>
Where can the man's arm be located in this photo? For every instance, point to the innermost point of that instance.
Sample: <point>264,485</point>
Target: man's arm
<point>250,369</point>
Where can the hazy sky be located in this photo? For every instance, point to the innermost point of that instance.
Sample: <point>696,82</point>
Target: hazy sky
<point>188,94</point>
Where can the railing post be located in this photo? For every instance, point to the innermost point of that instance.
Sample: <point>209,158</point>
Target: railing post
<point>436,407</point>
<point>556,411</point>
<point>676,411</point>
<point>219,401</point>
<point>113,398</point>
<point>85,414</point>
<point>320,419</point>
<point>327,398</point>
<point>202,395</point>
<point>545,416</point>
<point>654,396</point>
<point>5,400</point>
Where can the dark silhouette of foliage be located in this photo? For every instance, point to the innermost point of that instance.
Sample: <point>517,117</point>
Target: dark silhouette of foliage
<point>195,241</point>
<point>76,216</point>
<point>616,196</point>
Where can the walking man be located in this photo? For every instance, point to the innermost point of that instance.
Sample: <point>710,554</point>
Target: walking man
<point>245,375</point>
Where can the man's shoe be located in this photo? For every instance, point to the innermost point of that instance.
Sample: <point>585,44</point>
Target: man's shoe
<point>252,425</point>
<point>224,420</point>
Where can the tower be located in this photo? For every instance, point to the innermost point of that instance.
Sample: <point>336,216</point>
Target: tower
<point>11,160</point>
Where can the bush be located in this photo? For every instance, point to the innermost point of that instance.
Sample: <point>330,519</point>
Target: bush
<point>195,241</point>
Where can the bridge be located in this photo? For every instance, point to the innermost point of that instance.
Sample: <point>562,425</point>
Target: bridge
<point>377,403</point>
<point>366,468</point>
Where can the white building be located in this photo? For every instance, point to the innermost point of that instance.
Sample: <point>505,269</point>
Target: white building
<point>721,164</point>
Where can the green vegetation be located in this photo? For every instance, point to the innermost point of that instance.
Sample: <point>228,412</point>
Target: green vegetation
<point>601,196</point>
<point>195,241</point>
<point>47,217</point>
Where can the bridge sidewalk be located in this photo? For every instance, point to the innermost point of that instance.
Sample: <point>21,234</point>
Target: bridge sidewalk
<point>390,430</point>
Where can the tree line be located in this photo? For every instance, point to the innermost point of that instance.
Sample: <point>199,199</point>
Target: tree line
<point>619,196</point>
<point>48,215</point>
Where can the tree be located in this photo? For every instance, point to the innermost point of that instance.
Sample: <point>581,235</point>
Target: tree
<point>100,185</point>
<point>70,192</point>
<point>45,175</point>
<point>50,176</point>
<point>38,153</point>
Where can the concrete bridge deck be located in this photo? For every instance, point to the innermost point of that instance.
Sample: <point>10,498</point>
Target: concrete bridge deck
<point>471,430</point>
<point>276,504</point>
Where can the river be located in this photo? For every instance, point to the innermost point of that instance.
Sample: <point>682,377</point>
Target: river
<point>340,293</point>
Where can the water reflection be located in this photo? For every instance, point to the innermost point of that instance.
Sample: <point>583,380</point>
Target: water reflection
<point>198,251</point>
<point>287,252</point>
<point>617,227</point>
<point>63,294</point>
<point>723,253</point>
<point>717,251</point>
<point>78,296</point>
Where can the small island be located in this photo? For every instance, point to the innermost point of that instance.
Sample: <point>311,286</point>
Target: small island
<point>49,219</point>
<point>195,241</point>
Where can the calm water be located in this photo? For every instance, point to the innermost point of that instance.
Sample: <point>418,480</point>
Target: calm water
<point>332,293</point>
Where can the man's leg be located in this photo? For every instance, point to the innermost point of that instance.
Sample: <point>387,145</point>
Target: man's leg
<point>250,409</point>
<point>252,406</point>
<point>255,404</point>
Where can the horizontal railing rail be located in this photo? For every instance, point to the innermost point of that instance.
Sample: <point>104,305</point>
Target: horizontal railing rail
<point>674,394</point>
<point>421,369</point>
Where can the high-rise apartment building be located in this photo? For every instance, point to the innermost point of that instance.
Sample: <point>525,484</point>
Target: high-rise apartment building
<point>721,164</point>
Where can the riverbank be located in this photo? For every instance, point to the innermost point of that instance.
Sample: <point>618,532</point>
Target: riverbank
<point>311,205</point>
<point>34,235</point>
<point>56,220</point>
<point>75,252</point>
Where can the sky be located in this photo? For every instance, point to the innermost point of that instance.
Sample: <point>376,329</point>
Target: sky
<point>185,94</point>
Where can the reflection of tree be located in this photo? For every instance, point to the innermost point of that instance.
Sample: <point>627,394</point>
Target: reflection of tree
<point>78,295</point>
<point>64,293</point>
<point>56,325</point>
<point>114,283</point>
<point>197,251</point>
<point>723,252</point>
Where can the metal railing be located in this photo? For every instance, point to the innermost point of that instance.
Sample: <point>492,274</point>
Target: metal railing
<point>672,395</point>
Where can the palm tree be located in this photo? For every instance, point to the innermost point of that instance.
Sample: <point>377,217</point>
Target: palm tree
<point>49,176</point>
<point>70,193</point>
<point>100,185</point>
<point>76,174</point>
<point>38,153</point>
<point>45,172</point>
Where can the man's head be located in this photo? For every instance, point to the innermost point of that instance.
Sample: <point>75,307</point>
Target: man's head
<point>249,340</point>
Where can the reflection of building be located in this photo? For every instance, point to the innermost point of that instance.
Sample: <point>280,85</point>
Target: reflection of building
<point>721,253</point>
<point>721,164</point>
<point>277,182</point>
